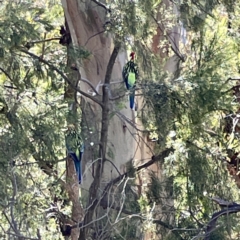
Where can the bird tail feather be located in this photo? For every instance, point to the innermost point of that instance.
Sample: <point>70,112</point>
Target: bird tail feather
<point>77,164</point>
<point>131,99</point>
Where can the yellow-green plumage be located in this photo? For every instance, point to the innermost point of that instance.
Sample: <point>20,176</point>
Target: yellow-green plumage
<point>75,148</point>
<point>130,75</point>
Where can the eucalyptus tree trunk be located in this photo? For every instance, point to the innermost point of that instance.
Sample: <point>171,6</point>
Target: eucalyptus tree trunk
<point>70,96</point>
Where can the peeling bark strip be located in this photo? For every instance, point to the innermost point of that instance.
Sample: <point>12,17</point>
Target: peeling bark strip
<point>92,203</point>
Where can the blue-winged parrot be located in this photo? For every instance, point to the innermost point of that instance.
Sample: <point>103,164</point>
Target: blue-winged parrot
<point>130,75</point>
<point>75,149</point>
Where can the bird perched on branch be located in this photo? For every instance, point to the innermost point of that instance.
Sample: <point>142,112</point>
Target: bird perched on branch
<point>130,75</point>
<point>75,149</point>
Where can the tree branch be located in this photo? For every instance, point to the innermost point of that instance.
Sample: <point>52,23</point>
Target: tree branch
<point>94,35</point>
<point>169,38</point>
<point>154,159</point>
<point>231,208</point>
<point>46,40</point>
<point>62,75</point>
<point>6,74</point>
<point>104,204</point>
<point>90,84</point>
<point>101,5</point>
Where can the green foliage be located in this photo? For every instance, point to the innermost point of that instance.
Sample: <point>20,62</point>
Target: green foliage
<point>155,190</point>
<point>194,13</point>
<point>183,112</point>
<point>30,137</point>
<point>219,234</point>
<point>158,99</point>
<point>130,168</point>
<point>128,230</point>
<point>79,53</point>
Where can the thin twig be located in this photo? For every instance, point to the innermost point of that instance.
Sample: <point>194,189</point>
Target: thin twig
<point>90,84</point>
<point>6,74</point>
<point>45,40</point>
<point>63,76</point>
<point>94,35</point>
<point>101,5</point>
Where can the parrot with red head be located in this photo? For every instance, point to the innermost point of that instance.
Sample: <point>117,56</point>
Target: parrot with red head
<point>130,75</point>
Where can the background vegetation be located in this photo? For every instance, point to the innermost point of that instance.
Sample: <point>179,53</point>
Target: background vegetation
<point>193,114</point>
